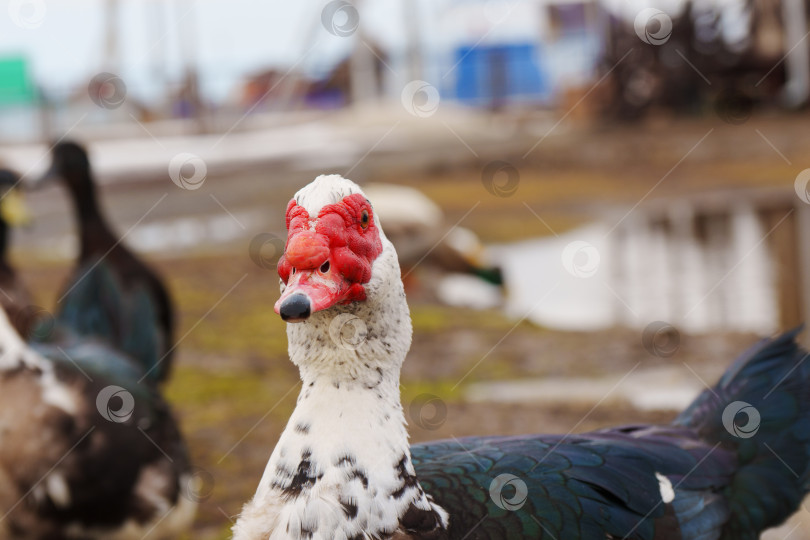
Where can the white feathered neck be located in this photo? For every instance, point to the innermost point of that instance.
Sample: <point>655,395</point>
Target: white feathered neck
<point>342,467</point>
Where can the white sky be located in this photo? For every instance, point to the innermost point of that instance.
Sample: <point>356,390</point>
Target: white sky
<point>229,38</point>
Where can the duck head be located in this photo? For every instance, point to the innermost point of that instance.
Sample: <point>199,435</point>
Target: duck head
<point>334,240</point>
<point>69,164</point>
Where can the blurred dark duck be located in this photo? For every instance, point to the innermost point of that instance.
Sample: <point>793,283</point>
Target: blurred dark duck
<point>417,227</point>
<point>13,296</point>
<point>87,451</point>
<point>453,265</point>
<point>139,294</point>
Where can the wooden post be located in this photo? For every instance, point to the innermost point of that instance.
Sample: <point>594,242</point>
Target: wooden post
<point>797,59</point>
<point>783,242</point>
<point>803,251</point>
<point>111,59</point>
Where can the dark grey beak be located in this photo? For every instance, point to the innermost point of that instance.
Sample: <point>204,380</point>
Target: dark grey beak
<point>295,308</point>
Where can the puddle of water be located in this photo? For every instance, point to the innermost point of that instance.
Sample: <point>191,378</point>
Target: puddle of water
<point>541,289</point>
<point>651,389</point>
<point>594,278</point>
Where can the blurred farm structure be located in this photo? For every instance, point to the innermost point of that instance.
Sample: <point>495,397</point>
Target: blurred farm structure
<point>523,55</point>
<point>730,58</point>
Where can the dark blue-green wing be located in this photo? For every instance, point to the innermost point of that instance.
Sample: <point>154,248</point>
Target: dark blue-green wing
<point>98,306</point>
<point>760,408</point>
<point>606,484</point>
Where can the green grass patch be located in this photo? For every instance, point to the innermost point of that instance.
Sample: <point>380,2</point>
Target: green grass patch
<point>410,390</point>
<point>436,318</point>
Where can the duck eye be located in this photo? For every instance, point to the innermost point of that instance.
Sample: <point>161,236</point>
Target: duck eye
<point>364,219</point>
<point>325,267</point>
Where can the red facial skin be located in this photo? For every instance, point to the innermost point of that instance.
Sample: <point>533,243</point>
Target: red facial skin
<point>338,238</point>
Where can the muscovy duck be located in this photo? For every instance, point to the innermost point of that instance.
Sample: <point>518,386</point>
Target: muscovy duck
<point>86,452</point>
<point>343,467</point>
<point>100,250</point>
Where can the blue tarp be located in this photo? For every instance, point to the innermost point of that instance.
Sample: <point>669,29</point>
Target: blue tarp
<point>494,74</point>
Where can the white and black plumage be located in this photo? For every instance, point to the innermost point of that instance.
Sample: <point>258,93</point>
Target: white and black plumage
<point>85,454</point>
<point>88,448</point>
<point>348,414</point>
<point>343,468</point>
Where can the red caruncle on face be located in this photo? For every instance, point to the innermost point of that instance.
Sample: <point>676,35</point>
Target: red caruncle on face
<point>329,258</point>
